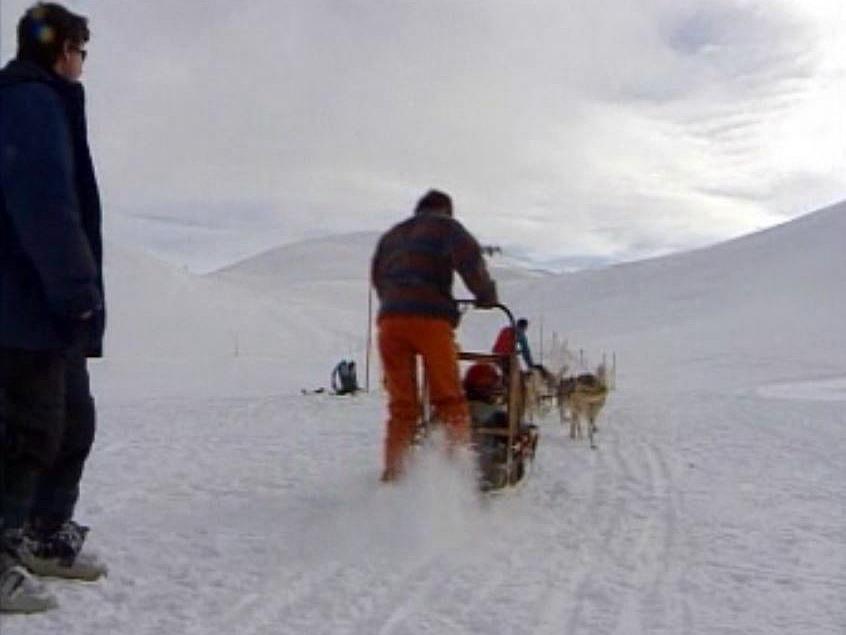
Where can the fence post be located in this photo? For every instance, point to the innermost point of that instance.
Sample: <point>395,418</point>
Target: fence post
<point>541,341</point>
<point>368,337</point>
<point>614,370</point>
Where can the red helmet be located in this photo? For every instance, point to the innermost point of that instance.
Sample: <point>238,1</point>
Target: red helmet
<point>481,379</point>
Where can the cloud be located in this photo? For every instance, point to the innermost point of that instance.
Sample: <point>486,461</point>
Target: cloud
<point>566,130</point>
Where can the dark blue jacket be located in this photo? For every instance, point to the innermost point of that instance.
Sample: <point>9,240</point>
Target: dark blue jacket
<point>50,237</point>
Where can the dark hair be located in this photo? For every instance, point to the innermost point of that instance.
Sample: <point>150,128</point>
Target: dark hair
<point>522,323</point>
<point>434,201</point>
<point>43,31</point>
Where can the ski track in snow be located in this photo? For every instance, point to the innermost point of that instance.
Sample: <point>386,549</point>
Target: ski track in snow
<point>631,537</point>
<point>264,515</point>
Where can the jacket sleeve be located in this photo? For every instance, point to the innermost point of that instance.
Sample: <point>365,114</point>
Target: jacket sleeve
<point>36,168</point>
<point>524,349</point>
<point>468,261</point>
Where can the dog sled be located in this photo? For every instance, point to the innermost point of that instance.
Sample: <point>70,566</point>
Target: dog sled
<point>504,444</point>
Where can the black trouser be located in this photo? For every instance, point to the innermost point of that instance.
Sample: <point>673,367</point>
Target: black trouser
<point>47,423</point>
<point>58,485</point>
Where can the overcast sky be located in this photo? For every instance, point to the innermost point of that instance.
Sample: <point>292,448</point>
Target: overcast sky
<point>585,129</point>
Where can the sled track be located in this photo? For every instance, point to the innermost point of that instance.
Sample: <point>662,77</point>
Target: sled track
<point>594,541</point>
<point>621,576</point>
<point>268,610</point>
<point>346,597</point>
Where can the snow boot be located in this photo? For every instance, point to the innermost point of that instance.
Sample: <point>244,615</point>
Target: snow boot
<point>19,591</point>
<point>59,554</point>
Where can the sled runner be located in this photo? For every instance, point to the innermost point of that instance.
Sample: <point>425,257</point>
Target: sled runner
<point>503,442</point>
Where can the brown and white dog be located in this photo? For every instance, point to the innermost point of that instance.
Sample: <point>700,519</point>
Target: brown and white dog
<point>582,396</point>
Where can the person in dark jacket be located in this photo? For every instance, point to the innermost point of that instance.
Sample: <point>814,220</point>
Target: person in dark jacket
<point>51,305</point>
<point>412,271</point>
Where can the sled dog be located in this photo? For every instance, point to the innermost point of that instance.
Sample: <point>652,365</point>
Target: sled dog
<point>583,396</point>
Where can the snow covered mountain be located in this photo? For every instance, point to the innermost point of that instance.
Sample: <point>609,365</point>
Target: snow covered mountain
<point>225,500</point>
<point>763,307</point>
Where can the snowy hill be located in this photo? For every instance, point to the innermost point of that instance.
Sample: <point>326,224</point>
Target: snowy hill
<point>340,258</point>
<point>226,501</point>
<point>335,258</point>
<point>168,320</point>
<point>765,307</point>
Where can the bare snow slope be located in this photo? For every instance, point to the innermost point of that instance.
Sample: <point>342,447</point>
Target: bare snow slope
<point>238,324</point>
<point>225,501</point>
<point>765,307</point>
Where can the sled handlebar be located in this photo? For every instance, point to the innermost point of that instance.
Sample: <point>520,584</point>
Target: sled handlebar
<point>467,303</point>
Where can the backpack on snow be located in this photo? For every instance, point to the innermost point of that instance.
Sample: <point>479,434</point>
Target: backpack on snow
<point>344,381</point>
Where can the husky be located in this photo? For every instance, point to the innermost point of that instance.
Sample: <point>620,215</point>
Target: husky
<point>582,397</point>
<point>538,389</point>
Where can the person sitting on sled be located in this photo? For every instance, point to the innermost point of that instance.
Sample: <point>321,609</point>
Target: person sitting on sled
<point>485,391</point>
<point>483,387</point>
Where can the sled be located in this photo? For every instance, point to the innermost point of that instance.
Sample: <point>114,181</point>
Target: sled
<point>504,444</point>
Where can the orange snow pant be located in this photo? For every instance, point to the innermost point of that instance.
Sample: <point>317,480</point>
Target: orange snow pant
<point>401,340</point>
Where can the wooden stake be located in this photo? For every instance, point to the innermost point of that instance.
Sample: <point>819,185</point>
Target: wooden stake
<point>368,337</point>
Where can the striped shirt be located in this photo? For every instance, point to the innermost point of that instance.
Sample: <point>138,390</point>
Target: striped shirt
<point>412,269</point>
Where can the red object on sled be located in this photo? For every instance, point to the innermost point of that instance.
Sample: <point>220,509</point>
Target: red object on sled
<point>506,342</point>
<point>482,379</point>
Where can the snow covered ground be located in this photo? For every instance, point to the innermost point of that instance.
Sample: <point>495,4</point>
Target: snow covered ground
<point>226,501</point>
